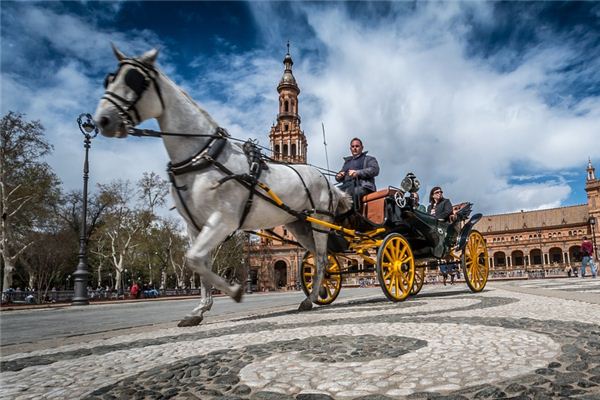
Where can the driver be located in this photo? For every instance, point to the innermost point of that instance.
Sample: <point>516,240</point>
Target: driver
<point>360,166</point>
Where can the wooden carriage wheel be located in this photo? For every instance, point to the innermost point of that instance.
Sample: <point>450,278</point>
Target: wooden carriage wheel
<point>395,267</point>
<point>420,273</point>
<point>475,262</point>
<point>332,283</point>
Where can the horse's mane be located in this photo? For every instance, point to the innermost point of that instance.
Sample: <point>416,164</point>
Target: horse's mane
<point>187,96</point>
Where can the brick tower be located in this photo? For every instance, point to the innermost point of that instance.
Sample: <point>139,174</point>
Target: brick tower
<point>288,142</point>
<point>592,188</point>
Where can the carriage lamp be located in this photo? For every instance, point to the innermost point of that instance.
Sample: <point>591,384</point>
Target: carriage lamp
<point>80,276</point>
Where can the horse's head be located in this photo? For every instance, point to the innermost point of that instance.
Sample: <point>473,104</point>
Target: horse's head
<point>132,94</point>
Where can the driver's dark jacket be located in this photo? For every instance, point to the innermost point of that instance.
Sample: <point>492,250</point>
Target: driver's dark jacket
<point>367,168</point>
<point>442,210</point>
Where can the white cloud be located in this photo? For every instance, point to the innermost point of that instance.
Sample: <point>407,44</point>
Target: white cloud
<point>404,83</point>
<point>422,105</point>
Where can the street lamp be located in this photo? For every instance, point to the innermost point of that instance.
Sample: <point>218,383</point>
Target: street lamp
<point>592,222</point>
<point>80,277</point>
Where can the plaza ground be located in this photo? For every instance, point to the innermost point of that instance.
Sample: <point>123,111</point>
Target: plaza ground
<point>517,339</point>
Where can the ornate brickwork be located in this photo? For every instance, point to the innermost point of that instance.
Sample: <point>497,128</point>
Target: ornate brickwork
<point>288,142</point>
<point>274,264</point>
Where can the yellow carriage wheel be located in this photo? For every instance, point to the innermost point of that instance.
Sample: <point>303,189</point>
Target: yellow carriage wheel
<point>420,273</point>
<point>395,267</point>
<point>332,281</point>
<point>475,262</point>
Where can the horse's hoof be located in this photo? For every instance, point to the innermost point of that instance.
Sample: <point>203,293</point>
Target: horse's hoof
<point>306,305</point>
<point>237,295</point>
<point>190,321</point>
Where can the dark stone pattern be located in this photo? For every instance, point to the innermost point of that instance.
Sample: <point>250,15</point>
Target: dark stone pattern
<point>575,373</point>
<point>254,325</point>
<point>215,375</point>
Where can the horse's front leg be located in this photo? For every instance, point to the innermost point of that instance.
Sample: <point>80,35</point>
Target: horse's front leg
<point>213,233</point>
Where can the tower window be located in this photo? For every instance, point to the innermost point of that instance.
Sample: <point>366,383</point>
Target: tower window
<point>286,106</point>
<point>285,150</point>
<point>276,149</point>
<point>286,127</point>
<point>293,150</point>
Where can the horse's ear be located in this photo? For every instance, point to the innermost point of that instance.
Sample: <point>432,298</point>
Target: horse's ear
<point>149,57</point>
<point>120,56</point>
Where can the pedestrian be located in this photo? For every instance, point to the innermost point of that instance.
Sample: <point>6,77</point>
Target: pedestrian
<point>587,251</point>
<point>569,270</point>
<point>134,291</point>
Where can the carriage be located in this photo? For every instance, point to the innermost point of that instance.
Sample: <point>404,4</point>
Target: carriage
<point>218,188</point>
<point>399,243</point>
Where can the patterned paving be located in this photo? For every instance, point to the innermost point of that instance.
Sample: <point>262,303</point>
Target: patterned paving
<point>444,343</point>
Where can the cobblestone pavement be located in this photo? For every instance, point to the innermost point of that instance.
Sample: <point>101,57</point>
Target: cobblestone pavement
<point>445,343</point>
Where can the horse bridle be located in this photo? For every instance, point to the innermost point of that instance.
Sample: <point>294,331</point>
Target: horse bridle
<point>138,79</point>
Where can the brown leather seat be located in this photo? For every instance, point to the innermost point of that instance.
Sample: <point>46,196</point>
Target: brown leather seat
<point>374,205</point>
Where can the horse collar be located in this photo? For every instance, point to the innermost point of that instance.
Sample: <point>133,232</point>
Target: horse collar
<point>203,158</point>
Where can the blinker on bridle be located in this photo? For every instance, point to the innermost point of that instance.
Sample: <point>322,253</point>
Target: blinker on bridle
<point>136,80</point>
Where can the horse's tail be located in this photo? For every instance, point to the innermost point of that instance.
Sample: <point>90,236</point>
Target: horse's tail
<point>344,201</point>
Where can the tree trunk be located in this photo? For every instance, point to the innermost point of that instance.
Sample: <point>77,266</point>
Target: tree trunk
<point>9,270</point>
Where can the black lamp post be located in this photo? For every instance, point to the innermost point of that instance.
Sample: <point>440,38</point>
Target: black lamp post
<point>80,277</point>
<point>592,221</point>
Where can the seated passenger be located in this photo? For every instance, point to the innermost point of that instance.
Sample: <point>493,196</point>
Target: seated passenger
<point>439,207</point>
<point>361,167</point>
<point>415,202</point>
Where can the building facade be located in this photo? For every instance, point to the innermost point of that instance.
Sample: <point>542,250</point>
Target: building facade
<point>533,243</point>
<point>543,242</point>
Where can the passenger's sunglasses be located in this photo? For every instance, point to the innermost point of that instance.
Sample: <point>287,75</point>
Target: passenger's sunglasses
<point>438,191</point>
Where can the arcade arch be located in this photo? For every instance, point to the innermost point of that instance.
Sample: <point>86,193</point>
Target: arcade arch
<point>500,259</point>
<point>280,274</point>
<point>517,258</point>
<point>555,255</point>
<point>535,256</point>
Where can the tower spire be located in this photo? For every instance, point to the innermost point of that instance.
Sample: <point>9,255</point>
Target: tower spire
<point>591,171</point>
<point>288,142</point>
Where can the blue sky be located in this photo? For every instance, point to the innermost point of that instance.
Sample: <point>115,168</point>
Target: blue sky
<point>499,103</point>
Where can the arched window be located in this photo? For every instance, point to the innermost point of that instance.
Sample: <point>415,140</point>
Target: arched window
<point>276,149</point>
<point>286,127</point>
<point>285,150</point>
<point>286,106</point>
<point>293,150</point>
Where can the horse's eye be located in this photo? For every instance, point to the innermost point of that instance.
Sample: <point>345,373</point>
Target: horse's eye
<point>136,81</point>
<point>108,79</point>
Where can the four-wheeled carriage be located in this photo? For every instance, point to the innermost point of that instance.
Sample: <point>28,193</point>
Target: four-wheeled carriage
<point>400,243</point>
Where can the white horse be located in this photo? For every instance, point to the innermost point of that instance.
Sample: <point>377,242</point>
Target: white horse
<point>201,156</point>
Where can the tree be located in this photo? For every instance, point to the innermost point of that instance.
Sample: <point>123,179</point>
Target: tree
<point>29,189</point>
<point>153,191</point>
<point>228,258</point>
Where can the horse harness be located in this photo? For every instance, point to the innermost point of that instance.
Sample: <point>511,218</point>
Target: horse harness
<point>207,156</point>
<point>138,79</point>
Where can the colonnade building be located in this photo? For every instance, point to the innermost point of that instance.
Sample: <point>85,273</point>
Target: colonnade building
<point>547,240</point>
<point>538,243</point>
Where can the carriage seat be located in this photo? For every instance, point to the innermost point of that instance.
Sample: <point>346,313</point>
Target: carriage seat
<point>456,210</point>
<point>374,205</point>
